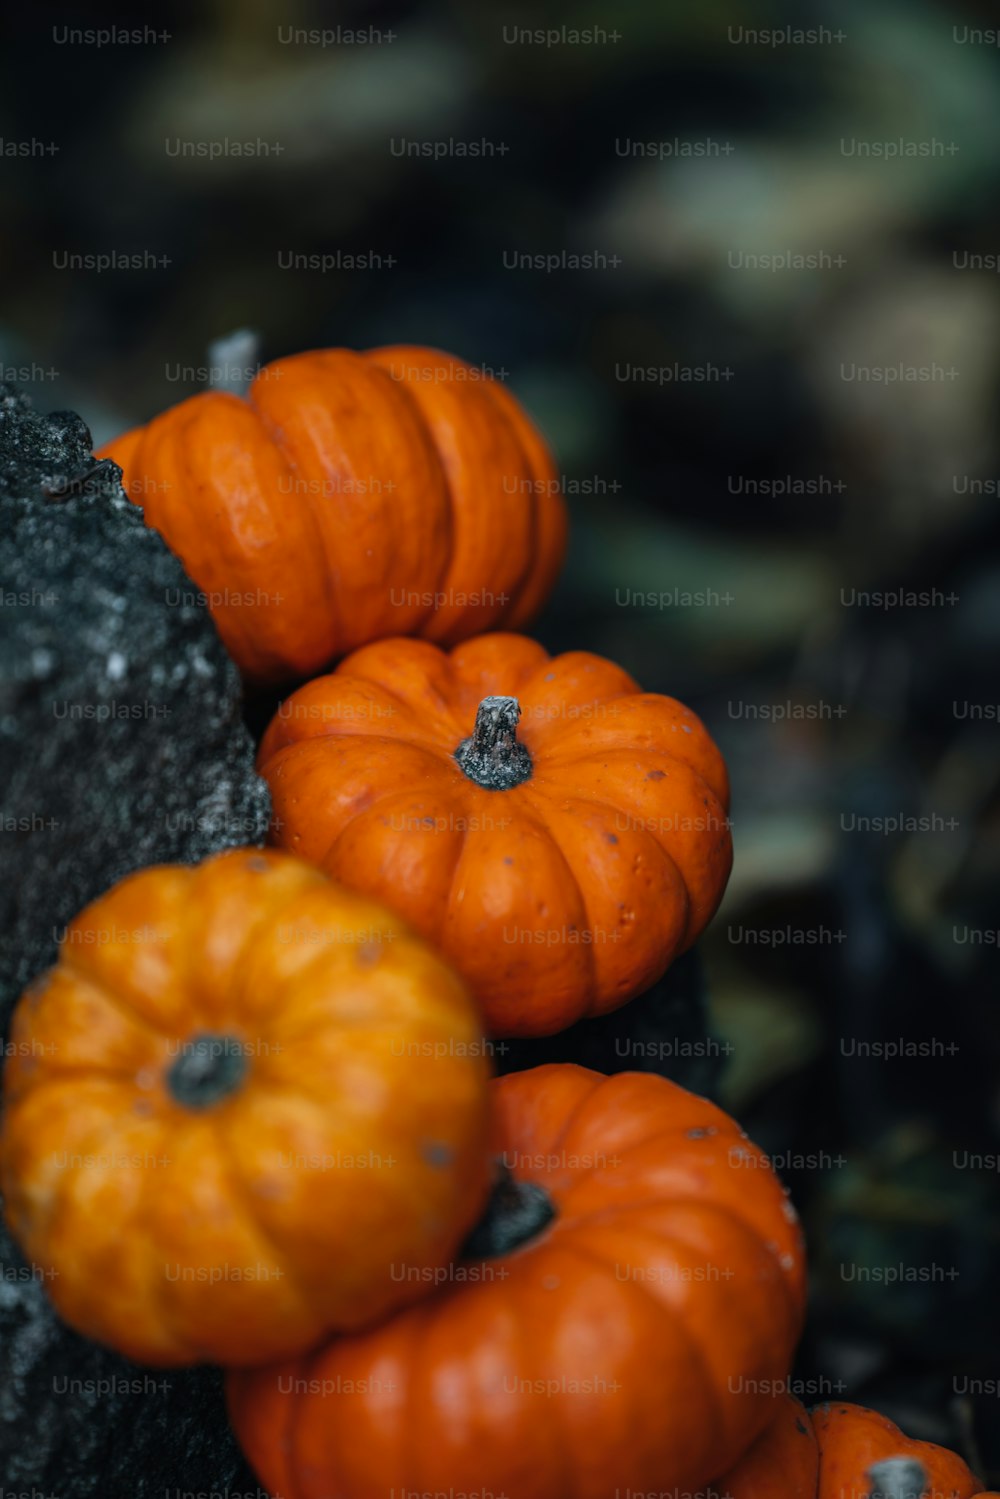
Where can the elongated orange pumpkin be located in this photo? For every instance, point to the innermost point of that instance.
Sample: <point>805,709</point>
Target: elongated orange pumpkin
<point>561,835</point>
<point>636,1282</point>
<point>239,1099</point>
<point>352,496</point>
<point>842,1451</point>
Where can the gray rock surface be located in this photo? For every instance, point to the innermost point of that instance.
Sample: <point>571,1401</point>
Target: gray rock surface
<point>121,737</point>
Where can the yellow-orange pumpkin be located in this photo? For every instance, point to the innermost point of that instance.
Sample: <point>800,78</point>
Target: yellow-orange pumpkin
<point>560,834</point>
<point>239,1100</point>
<point>615,1324</point>
<point>352,496</point>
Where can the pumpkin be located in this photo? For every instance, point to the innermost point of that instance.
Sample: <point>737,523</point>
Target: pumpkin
<point>238,1100</point>
<point>637,1278</point>
<point>352,496</point>
<point>558,833</point>
<point>844,1452</point>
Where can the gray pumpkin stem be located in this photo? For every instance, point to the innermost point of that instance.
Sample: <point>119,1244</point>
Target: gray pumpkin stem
<point>233,361</point>
<point>493,756</point>
<point>897,1478</point>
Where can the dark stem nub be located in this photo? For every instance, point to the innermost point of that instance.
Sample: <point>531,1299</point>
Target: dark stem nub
<point>897,1478</point>
<point>493,756</point>
<point>208,1069</point>
<point>516,1213</point>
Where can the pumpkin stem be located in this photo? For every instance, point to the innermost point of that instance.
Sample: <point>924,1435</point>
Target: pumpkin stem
<point>207,1071</point>
<point>493,756</point>
<point>897,1478</point>
<point>516,1212</point>
<point>233,361</point>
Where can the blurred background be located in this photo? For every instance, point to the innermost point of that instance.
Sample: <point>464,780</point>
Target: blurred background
<point>741,263</point>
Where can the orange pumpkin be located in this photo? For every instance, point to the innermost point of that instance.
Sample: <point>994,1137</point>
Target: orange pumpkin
<point>638,1278</point>
<point>238,1100</point>
<point>844,1452</point>
<point>558,833</point>
<point>352,496</point>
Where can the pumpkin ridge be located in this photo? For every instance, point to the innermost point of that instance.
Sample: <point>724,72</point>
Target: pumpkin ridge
<point>672,1235</point>
<point>551,726</point>
<point>684,1333</point>
<point>449,491</point>
<point>423,1329</point>
<point>327,534</point>
<point>669,747</point>
<point>449,900</point>
<point>597,1080</point>
<point>518,589</point>
<point>562,1441</point>
<point>260,1230</point>
<point>267,863</point>
<point>449,488</point>
<point>662,751</point>
<point>594,997</point>
<point>262,924</point>
<point>274,434</point>
<point>468,688</point>
<point>99,1133</point>
<point>724,1210</point>
<point>541,824</point>
<point>388,742</point>
<point>57,1070</point>
<point>188,1350</point>
<point>119,1001</point>
<point>410,712</point>
<point>63,1205</point>
<point>403,388</point>
<point>460,513</point>
<point>547,497</point>
<point>178,436</point>
<point>389,794</point>
<point>362,1023</point>
<point>660,838</point>
<point>420,656</point>
<point>111,993</point>
<point>290,1487</point>
<point>690,1200</point>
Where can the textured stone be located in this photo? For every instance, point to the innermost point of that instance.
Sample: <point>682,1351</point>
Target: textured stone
<point>121,740</point>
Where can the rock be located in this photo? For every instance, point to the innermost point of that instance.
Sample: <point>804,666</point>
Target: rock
<point>121,737</point>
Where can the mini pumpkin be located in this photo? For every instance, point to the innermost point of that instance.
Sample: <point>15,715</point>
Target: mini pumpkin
<point>352,496</point>
<point>638,1272</point>
<point>237,1101</point>
<point>561,835</point>
<point>842,1451</point>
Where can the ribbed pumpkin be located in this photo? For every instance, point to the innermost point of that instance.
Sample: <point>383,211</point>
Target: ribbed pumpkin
<point>841,1451</point>
<point>240,1098</point>
<point>638,1278</point>
<point>352,496</point>
<point>558,833</point>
